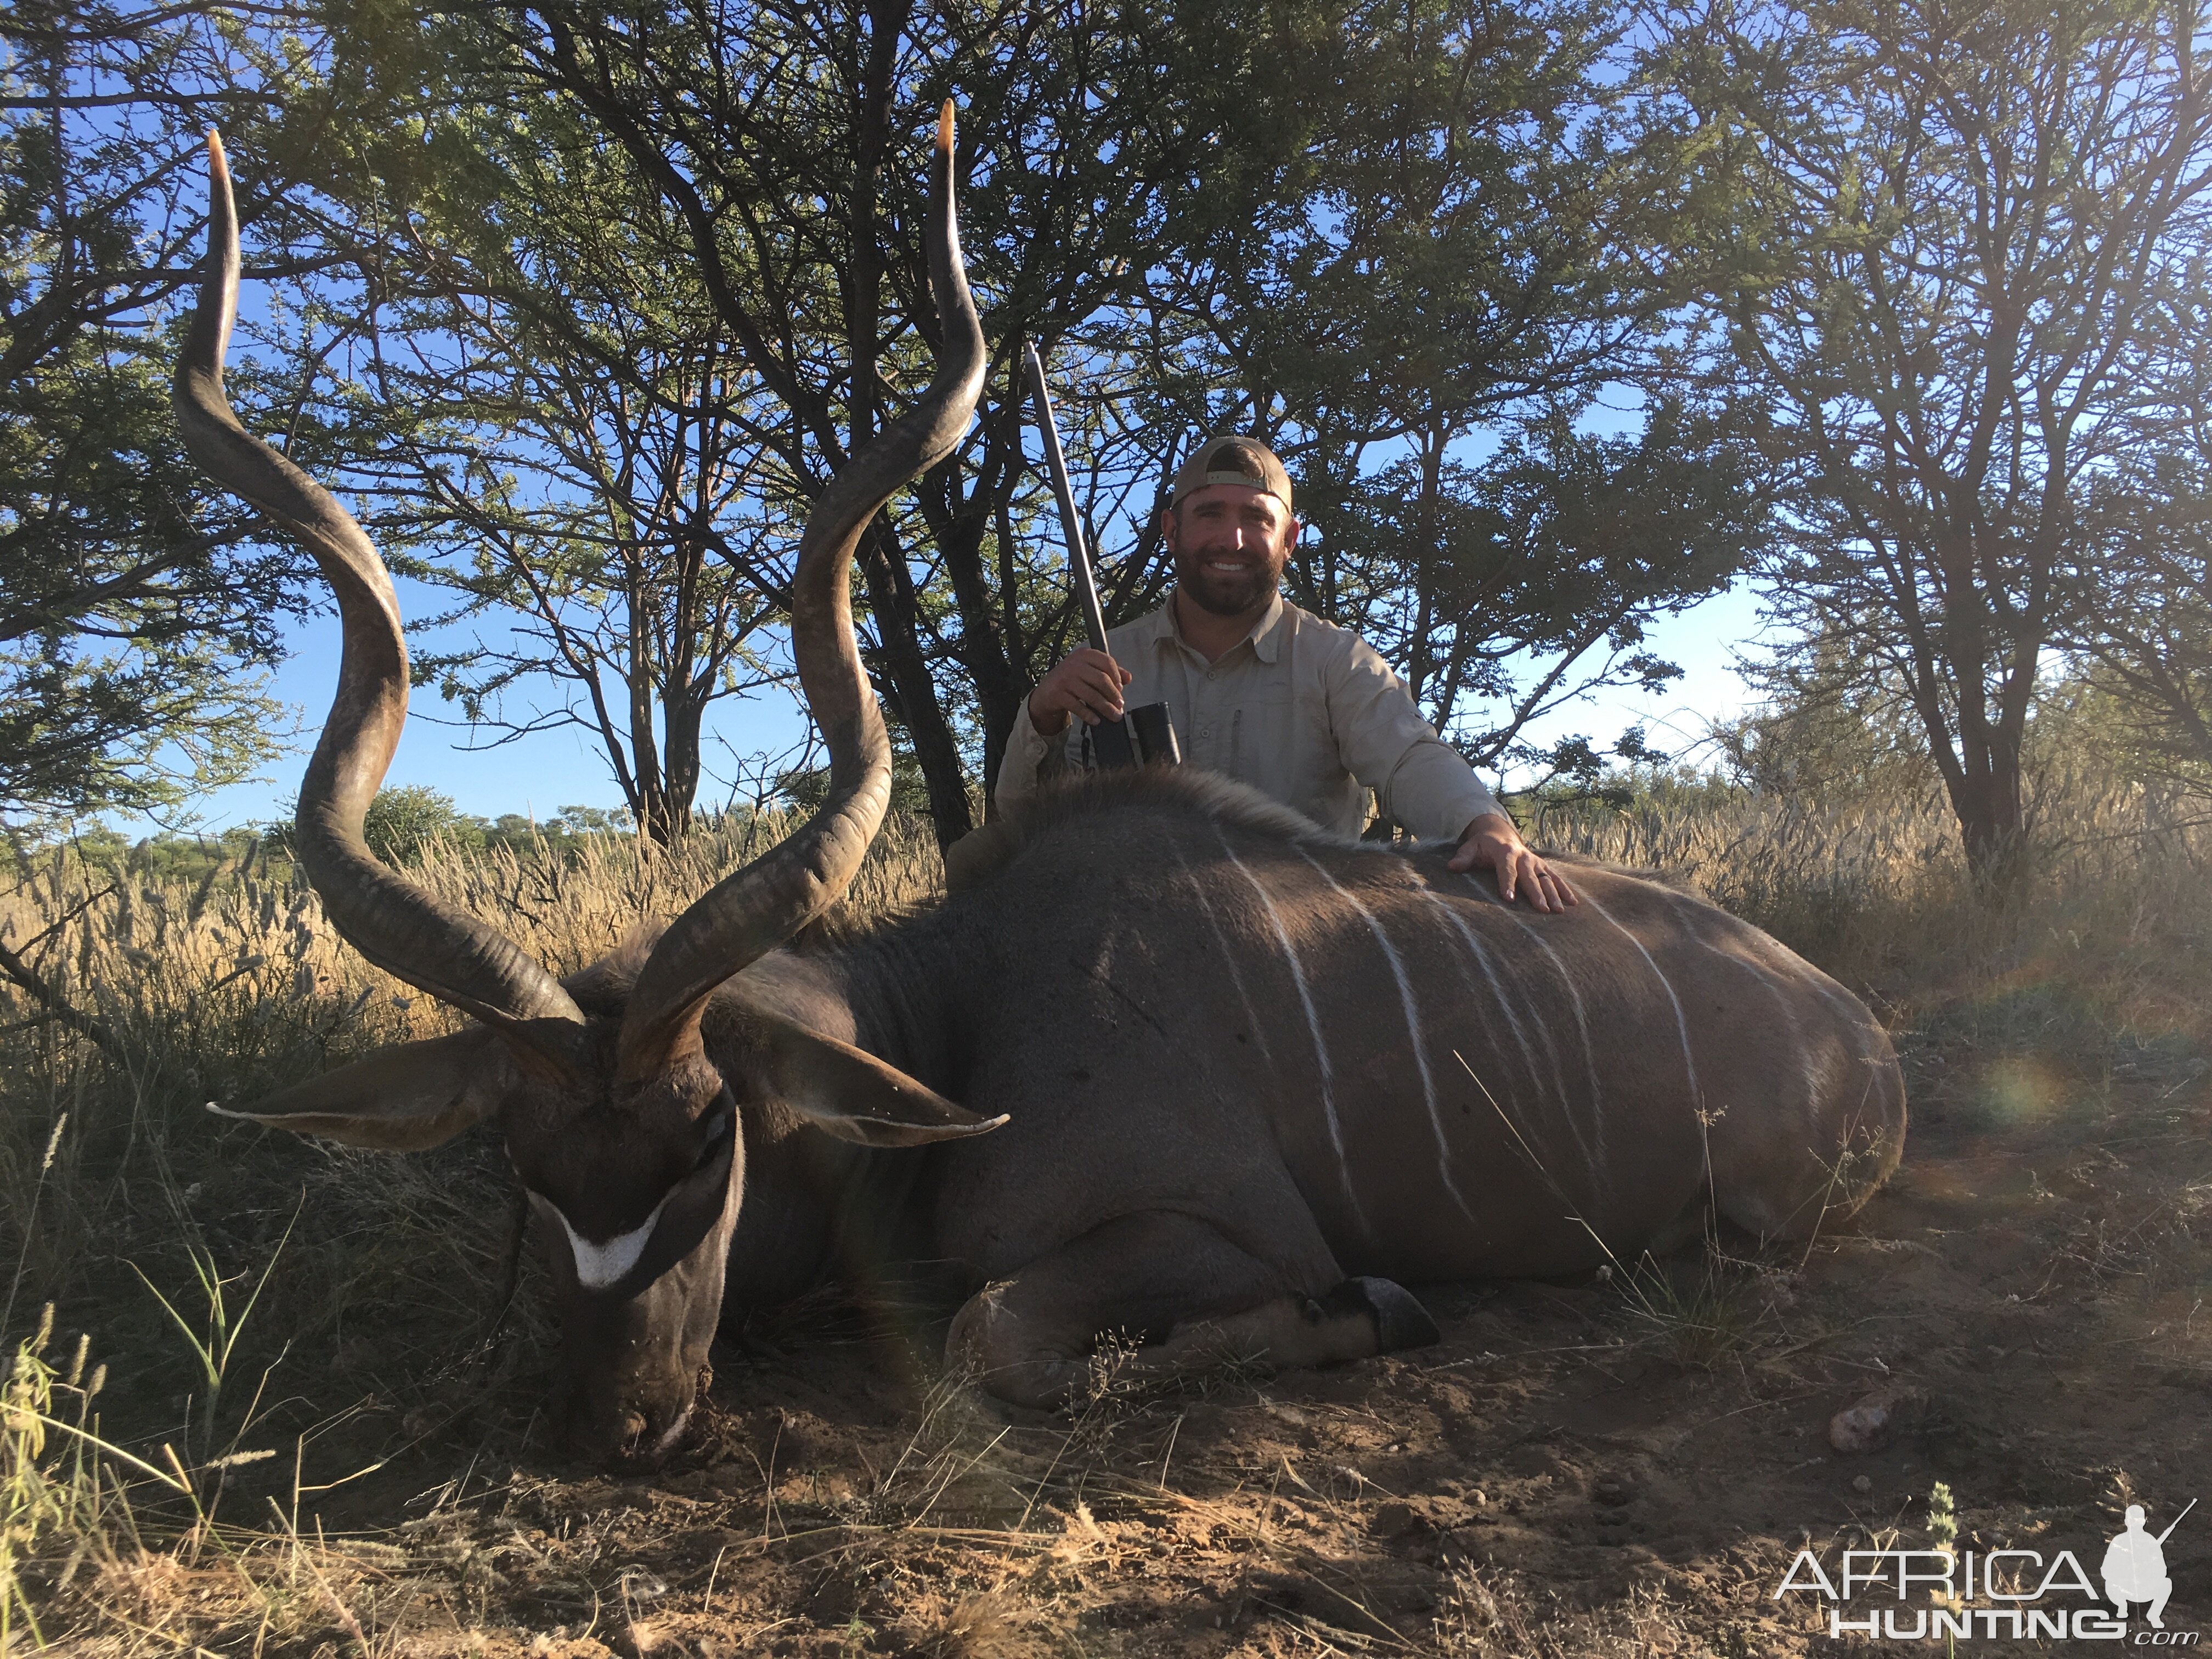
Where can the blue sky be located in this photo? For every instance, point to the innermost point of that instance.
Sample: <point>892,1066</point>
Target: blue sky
<point>544,772</point>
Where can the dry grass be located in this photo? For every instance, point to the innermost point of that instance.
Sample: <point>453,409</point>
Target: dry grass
<point>127,1213</point>
<point>2092,968</point>
<point>280,1322</point>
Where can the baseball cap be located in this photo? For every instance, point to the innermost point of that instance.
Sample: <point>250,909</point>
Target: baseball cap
<point>1232,460</point>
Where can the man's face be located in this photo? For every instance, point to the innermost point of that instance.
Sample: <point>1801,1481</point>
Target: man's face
<point>1230,546</point>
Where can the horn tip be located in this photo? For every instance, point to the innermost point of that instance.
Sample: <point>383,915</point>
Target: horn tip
<point>217,162</point>
<point>944,128</point>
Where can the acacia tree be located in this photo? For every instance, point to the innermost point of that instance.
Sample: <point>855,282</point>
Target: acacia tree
<point>1359,235</point>
<point>1507,589</point>
<point>553,424</point>
<point>2143,615</point>
<point>135,604</point>
<point>2141,608</point>
<point>1949,224</point>
<point>775,139</point>
<point>1459,266</point>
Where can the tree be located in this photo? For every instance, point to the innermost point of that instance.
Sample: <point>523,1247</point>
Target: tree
<point>1506,590</point>
<point>1460,262</point>
<point>1947,224</point>
<point>135,604</point>
<point>2143,611</point>
<point>554,423</point>
<point>1399,233</point>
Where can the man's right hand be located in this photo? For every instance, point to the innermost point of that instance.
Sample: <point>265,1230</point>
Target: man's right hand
<point>1086,682</point>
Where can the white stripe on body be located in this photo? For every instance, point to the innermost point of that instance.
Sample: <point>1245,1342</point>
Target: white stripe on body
<point>1593,1158</point>
<point>1412,1029</point>
<point>1235,977</point>
<point>1854,1016</point>
<point>1312,1025</point>
<point>1681,1022</point>
<point>1815,1084</point>
<point>1582,1029</point>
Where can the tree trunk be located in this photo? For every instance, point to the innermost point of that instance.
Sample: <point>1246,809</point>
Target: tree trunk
<point>882,561</point>
<point>958,525</point>
<point>898,632</point>
<point>651,804</point>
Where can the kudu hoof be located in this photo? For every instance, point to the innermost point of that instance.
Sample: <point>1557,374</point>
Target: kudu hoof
<point>1400,1321</point>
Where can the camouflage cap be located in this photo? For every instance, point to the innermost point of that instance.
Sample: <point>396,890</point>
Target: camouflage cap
<point>1232,460</point>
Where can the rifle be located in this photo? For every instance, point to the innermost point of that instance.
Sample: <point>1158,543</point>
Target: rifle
<point>1144,733</point>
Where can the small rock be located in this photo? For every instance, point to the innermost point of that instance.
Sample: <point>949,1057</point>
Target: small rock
<point>1613,1489</point>
<point>1862,1483</point>
<point>1874,1422</point>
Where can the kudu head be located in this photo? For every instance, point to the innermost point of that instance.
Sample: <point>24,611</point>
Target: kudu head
<point>623,1130</point>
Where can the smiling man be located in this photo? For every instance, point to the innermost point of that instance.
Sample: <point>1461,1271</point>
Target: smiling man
<point>1268,693</point>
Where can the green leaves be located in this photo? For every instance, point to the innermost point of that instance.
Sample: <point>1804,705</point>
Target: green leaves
<point>137,607</point>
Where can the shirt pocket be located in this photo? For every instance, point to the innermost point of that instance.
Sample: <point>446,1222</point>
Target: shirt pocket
<point>1264,745</point>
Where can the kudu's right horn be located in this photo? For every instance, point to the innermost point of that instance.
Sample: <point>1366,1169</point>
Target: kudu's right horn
<point>409,933</point>
<point>762,905</point>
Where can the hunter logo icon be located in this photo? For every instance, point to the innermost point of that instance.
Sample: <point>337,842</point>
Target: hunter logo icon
<point>2135,1566</point>
<point>1899,1595</point>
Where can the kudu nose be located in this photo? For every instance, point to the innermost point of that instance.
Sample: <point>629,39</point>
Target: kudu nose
<point>632,1430</point>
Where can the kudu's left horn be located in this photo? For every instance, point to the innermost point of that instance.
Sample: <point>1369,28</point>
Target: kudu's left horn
<point>406,931</point>
<point>773,897</point>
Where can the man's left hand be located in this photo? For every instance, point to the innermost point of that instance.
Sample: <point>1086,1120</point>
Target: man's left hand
<point>1492,842</point>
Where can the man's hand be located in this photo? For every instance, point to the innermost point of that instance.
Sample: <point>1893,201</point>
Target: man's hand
<point>1087,683</point>
<point>1492,842</point>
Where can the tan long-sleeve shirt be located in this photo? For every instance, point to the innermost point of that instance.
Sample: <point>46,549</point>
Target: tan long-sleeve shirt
<point>1301,710</point>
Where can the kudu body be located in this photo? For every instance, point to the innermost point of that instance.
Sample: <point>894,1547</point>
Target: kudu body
<point>1242,1076</point>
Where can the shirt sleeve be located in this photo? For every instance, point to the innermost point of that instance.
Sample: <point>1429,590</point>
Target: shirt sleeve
<point>1420,780</point>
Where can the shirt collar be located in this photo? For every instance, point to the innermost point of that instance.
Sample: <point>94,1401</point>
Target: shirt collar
<point>1265,638</point>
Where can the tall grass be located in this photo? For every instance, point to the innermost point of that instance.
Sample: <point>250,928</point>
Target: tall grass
<point>1876,889</point>
<point>161,1241</point>
<point>128,1213</point>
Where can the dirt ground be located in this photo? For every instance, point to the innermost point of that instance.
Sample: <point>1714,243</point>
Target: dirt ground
<point>1626,1464</point>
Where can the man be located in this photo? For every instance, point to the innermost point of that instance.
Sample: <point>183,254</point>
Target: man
<point>2134,1569</point>
<point>1263,692</point>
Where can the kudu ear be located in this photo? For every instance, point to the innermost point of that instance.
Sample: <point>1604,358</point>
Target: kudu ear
<point>406,1098</point>
<point>852,1094</point>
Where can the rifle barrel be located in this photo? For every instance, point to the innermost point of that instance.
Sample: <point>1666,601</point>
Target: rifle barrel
<point>1079,555</point>
<point>2177,1521</point>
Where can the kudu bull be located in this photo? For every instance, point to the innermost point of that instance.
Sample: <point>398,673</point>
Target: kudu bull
<point>1248,1075</point>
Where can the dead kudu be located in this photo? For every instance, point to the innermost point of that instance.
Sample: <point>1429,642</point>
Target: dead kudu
<point>1242,1076</point>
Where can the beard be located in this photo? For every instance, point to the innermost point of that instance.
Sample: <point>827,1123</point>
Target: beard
<point>1223,595</point>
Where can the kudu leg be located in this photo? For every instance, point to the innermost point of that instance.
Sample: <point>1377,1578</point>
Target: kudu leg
<point>1189,1299</point>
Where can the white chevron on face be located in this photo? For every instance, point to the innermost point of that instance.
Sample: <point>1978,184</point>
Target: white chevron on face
<point>599,1265</point>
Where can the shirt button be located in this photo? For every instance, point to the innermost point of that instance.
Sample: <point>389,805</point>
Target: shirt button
<point>1214,673</point>
<point>1205,731</point>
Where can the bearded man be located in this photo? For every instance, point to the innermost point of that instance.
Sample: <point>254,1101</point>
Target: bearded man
<point>1266,693</point>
